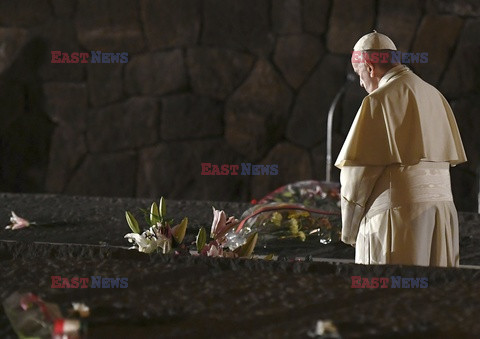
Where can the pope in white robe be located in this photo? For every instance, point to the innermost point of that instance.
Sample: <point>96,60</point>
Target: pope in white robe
<point>397,205</point>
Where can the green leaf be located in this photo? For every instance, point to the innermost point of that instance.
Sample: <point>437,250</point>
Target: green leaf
<point>132,222</point>
<point>163,208</point>
<point>154,215</point>
<point>178,232</point>
<point>268,257</point>
<point>201,239</point>
<point>246,249</point>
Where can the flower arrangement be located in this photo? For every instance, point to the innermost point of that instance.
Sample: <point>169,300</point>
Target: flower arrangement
<point>160,236</point>
<point>217,247</point>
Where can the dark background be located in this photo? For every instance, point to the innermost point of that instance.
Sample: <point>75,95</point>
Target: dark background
<point>218,81</point>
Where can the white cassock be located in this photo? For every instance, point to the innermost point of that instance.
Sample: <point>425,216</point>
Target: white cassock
<point>397,205</point>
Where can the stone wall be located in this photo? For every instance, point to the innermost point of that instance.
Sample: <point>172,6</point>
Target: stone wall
<point>219,81</point>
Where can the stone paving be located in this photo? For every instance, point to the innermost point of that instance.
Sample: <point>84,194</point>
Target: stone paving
<point>187,296</point>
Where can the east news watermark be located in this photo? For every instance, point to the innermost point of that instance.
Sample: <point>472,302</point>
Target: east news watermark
<point>94,281</point>
<point>390,56</point>
<point>390,282</point>
<point>94,57</point>
<point>243,169</point>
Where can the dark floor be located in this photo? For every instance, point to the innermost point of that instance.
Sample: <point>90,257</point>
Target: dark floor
<point>197,297</point>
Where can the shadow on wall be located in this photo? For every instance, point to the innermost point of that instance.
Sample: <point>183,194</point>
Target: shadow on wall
<point>25,129</point>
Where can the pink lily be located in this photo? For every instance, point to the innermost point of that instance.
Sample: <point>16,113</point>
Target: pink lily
<point>220,225</point>
<point>17,222</point>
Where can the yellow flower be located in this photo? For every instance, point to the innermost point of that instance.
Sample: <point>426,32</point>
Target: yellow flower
<point>276,218</point>
<point>294,226</point>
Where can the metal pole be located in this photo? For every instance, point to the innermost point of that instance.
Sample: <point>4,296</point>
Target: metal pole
<point>478,183</point>
<point>331,111</point>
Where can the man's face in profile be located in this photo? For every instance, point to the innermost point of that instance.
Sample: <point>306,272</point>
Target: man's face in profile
<point>366,74</point>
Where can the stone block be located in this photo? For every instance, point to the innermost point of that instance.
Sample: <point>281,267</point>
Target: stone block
<point>64,8</point>
<point>67,148</point>
<point>406,16</point>
<point>99,175</point>
<point>66,104</point>
<point>24,13</point>
<point>156,73</point>
<point>256,112</point>
<point>128,125</point>
<point>163,172</point>
<point>349,107</point>
<point>463,72</point>
<point>217,72</point>
<point>238,24</point>
<point>437,36</point>
<point>293,165</point>
<point>296,55</point>
<point>307,125</point>
<point>104,83</point>
<point>287,16</point>
<point>188,116</point>
<point>315,15</point>
<point>109,25</point>
<point>349,21</point>
<point>171,23</point>
<point>59,35</point>
<point>12,42</point>
<point>457,7</point>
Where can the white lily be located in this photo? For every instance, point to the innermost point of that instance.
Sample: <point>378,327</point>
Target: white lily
<point>164,243</point>
<point>215,251</point>
<point>145,244</point>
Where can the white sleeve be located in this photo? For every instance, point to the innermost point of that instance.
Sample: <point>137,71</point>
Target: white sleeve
<point>357,185</point>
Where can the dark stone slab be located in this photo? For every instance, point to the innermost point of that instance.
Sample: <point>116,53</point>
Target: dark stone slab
<point>13,41</point>
<point>109,25</point>
<point>24,12</point>
<point>457,7</point>
<point>436,35</point>
<point>349,21</point>
<point>156,73</point>
<point>59,35</point>
<point>96,220</point>
<point>67,104</point>
<point>108,126</point>
<point>104,83</point>
<point>308,123</point>
<point>287,16</point>
<point>406,15</point>
<point>99,175</point>
<point>239,25</point>
<point>217,72</point>
<point>67,148</point>
<point>172,295</point>
<point>64,8</point>
<point>200,116</point>
<point>465,184</point>
<point>159,171</point>
<point>315,15</point>
<point>350,104</point>
<point>283,154</point>
<point>296,55</point>
<point>171,23</point>
<point>463,72</point>
<point>182,296</point>
<point>256,112</point>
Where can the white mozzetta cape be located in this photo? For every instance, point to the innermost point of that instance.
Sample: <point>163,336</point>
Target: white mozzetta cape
<point>403,121</point>
<point>397,205</point>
